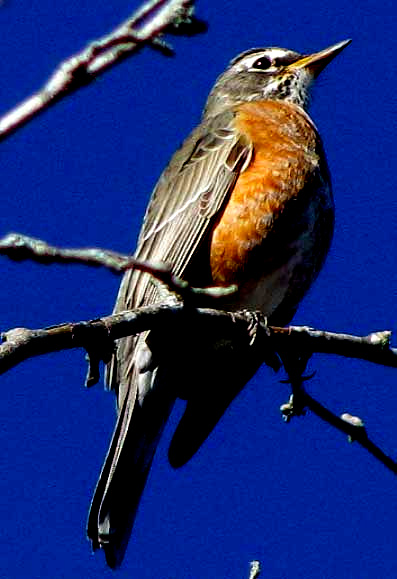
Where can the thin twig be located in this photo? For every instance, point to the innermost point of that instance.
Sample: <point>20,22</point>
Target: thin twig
<point>295,366</point>
<point>144,27</point>
<point>295,360</point>
<point>374,347</point>
<point>255,569</point>
<point>353,428</point>
<point>21,247</point>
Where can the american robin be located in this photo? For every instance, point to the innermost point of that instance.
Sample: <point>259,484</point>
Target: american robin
<point>247,201</point>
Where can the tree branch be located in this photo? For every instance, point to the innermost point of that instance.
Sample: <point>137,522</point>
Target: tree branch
<point>295,344</point>
<point>97,336</point>
<point>374,347</point>
<point>22,343</point>
<point>353,427</point>
<point>144,27</point>
<point>21,247</point>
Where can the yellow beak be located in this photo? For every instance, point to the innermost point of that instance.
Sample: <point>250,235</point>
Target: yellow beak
<point>316,62</point>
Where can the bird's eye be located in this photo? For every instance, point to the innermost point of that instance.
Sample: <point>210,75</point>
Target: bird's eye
<point>262,63</point>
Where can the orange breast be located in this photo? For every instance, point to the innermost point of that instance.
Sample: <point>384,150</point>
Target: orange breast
<point>276,228</point>
<point>284,156</point>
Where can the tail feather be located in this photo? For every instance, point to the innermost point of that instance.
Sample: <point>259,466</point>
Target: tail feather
<point>146,398</point>
<point>127,465</point>
<point>209,400</point>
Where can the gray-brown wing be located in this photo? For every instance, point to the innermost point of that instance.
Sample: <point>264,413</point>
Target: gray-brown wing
<point>187,197</point>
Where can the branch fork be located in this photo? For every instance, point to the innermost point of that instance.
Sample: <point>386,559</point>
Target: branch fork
<point>294,345</point>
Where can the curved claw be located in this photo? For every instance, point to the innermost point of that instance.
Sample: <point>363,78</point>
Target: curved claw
<point>257,329</point>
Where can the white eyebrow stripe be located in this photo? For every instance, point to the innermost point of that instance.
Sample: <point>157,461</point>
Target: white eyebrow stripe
<point>272,54</point>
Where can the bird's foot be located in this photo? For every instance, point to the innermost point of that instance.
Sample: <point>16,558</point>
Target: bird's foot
<point>259,335</point>
<point>257,323</point>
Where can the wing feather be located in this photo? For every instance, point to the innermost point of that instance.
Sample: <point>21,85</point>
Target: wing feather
<point>188,196</point>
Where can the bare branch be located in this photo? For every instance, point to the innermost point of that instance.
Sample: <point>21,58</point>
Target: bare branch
<point>143,28</point>
<point>355,431</point>
<point>294,345</point>
<point>374,347</point>
<point>295,362</point>
<point>97,336</point>
<point>21,343</point>
<point>21,247</point>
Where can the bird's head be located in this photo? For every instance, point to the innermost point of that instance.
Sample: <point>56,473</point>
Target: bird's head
<point>269,73</point>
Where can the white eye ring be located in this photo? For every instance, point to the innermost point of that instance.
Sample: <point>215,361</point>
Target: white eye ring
<point>262,63</point>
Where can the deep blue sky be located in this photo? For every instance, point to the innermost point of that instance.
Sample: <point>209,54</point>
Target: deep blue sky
<point>298,497</point>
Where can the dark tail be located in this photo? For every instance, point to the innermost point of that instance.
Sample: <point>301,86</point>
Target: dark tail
<point>209,388</point>
<point>126,468</point>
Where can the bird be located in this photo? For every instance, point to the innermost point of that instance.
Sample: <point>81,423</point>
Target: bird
<point>245,201</point>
